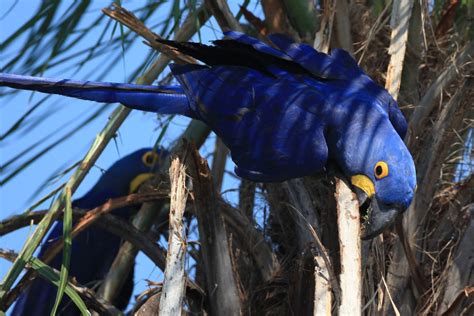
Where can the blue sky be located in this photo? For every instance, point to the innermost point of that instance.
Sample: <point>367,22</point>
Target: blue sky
<point>139,130</point>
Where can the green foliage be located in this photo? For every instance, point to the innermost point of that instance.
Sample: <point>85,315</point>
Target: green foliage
<point>302,14</point>
<point>67,228</point>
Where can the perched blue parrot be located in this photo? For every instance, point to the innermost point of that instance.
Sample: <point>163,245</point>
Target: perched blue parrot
<point>284,111</point>
<point>94,249</point>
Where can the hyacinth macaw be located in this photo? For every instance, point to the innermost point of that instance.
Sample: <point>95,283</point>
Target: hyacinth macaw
<point>94,249</point>
<point>284,111</point>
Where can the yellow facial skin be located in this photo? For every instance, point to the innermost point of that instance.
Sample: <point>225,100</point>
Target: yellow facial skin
<point>149,159</point>
<point>364,183</point>
<point>138,180</point>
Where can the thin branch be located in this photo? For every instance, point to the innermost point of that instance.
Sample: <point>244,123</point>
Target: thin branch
<point>322,39</point>
<point>276,19</point>
<point>221,11</point>
<point>15,222</point>
<point>401,13</point>
<point>171,300</point>
<point>127,18</point>
<point>349,239</point>
<point>374,30</point>
<point>256,22</point>
<point>343,26</point>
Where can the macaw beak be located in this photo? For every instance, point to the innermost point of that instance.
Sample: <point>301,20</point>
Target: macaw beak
<point>375,216</point>
<point>138,180</point>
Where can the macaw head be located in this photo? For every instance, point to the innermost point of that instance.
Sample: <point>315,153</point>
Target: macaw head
<point>124,177</point>
<point>381,171</point>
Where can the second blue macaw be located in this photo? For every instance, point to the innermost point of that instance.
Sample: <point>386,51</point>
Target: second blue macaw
<point>284,111</point>
<point>94,249</point>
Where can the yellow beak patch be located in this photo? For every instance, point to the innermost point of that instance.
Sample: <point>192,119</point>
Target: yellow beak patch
<point>138,180</point>
<point>364,183</point>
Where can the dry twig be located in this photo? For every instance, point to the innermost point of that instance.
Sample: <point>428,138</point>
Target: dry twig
<point>401,13</point>
<point>171,299</point>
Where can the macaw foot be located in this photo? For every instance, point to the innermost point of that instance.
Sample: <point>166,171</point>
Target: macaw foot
<point>375,216</point>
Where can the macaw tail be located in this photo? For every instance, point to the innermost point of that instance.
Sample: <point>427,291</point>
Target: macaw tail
<point>160,99</point>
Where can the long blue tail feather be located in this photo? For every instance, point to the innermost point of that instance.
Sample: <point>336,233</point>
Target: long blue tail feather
<point>160,99</point>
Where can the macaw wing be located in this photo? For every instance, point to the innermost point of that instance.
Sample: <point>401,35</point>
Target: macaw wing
<point>338,65</point>
<point>271,137</point>
<point>245,52</point>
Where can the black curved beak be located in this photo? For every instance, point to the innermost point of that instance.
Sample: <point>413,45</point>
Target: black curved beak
<point>375,216</point>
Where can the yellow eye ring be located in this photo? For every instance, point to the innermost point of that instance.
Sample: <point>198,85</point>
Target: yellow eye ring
<point>150,158</point>
<point>381,170</point>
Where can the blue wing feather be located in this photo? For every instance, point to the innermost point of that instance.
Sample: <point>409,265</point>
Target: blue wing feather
<point>338,65</point>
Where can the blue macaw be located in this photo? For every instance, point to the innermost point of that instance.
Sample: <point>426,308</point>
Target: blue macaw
<point>94,249</point>
<point>284,111</point>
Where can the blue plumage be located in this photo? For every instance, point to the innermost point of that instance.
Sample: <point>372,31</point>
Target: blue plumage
<point>284,111</point>
<point>94,249</point>
<point>141,97</point>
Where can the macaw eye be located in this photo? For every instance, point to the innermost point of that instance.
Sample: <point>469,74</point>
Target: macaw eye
<point>381,170</point>
<point>150,158</point>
